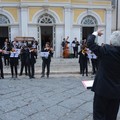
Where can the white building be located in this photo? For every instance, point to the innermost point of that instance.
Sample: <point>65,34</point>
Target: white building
<point>52,20</point>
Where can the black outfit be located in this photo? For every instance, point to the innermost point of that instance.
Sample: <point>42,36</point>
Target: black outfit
<point>46,62</point>
<point>31,60</point>
<point>1,67</point>
<point>23,56</point>
<point>107,81</point>
<point>7,55</point>
<point>83,61</point>
<point>75,48</point>
<point>94,62</point>
<point>13,65</point>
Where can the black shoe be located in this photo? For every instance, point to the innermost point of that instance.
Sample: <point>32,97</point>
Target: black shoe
<point>47,76</point>
<point>32,77</point>
<point>42,76</point>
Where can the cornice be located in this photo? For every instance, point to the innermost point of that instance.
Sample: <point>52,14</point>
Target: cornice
<point>64,5</point>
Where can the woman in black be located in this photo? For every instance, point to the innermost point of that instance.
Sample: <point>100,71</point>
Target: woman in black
<point>23,56</point>
<point>14,62</point>
<point>83,60</point>
<point>46,59</point>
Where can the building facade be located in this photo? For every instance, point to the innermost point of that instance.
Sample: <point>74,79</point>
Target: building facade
<point>115,15</point>
<point>53,20</point>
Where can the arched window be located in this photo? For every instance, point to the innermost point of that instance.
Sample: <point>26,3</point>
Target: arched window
<point>46,19</point>
<point>4,19</point>
<point>89,21</point>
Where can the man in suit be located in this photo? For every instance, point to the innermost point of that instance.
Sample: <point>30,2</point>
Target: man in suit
<point>46,59</point>
<point>31,60</point>
<point>75,45</point>
<point>107,81</point>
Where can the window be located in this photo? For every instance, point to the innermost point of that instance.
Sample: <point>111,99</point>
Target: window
<point>4,19</point>
<point>89,20</point>
<point>46,19</point>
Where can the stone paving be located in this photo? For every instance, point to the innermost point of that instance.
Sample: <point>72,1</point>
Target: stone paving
<point>58,65</point>
<point>60,97</point>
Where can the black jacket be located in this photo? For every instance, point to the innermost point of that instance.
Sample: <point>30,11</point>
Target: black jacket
<point>107,80</point>
<point>49,56</point>
<point>82,57</point>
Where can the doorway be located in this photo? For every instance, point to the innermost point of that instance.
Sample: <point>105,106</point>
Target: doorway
<point>46,35</point>
<point>86,31</point>
<point>3,35</point>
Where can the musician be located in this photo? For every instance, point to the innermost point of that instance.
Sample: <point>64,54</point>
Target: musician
<point>65,45</point>
<point>94,62</point>
<point>83,61</point>
<point>23,56</point>
<point>1,65</point>
<point>46,59</point>
<point>6,53</point>
<point>31,60</point>
<point>75,45</point>
<point>14,62</point>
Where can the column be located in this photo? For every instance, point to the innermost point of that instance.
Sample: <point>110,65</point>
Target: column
<point>68,20</point>
<point>108,25</point>
<point>118,15</point>
<point>24,21</point>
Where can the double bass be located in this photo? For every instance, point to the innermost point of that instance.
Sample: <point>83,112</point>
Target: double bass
<point>66,49</point>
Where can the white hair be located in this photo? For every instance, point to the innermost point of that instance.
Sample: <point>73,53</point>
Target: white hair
<point>115,38</point>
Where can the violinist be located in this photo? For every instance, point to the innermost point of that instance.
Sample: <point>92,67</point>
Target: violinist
<point>23,56</point>
<point>46,59</point>
<point>1,65</point>
<point>31,60</point>
<point>6,53</point>
<point>14,62</point>
<point>83,59</point>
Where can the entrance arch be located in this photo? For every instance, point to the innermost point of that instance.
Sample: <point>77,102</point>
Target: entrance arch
<point>89,24</point>
<point>46,30</point>
<point>4,29</point>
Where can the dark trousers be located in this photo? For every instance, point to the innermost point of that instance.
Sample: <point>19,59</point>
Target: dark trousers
<point>94,65</point>
<point>1,70</point>
<point>44,64</point>
<point>6,59</point>
<point>14,68</point>
<point>22,67</point>
<point>84,68</point>
<point>31,70</point>
<point>104,108</point>
<point>75,50</point>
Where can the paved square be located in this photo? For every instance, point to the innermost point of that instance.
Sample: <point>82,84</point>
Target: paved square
<point>61,97</point>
